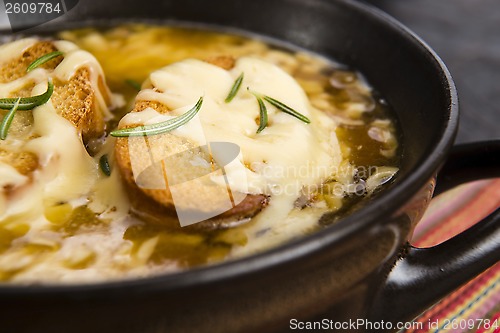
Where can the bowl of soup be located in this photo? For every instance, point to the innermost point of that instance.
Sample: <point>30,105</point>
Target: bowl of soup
<point>222,167</point>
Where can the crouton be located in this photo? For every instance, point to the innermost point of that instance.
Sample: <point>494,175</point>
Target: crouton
<point>157,205</point>
<point>74,100</point>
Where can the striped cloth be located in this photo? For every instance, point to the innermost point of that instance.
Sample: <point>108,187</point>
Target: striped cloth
<point>478,301</point>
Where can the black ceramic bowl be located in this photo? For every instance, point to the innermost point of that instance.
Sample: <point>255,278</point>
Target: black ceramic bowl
<point>359,268</point>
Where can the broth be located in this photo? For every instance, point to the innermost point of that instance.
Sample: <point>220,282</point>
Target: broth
<point>103,247</point>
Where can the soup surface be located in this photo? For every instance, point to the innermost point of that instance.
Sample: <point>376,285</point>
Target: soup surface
<point>93,229</point>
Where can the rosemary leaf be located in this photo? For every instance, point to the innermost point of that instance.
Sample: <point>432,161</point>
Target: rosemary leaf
<point>28,103</point>
<point>263,112</point>
<point>285,108</point>
<point>235,88</point>
<point>104,165</point>
<point>43,59</point>
<point>134,84</point>
<point>7,120</point>
<point>159,128</point>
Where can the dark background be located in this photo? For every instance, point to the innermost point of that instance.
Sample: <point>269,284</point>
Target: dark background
<point>466,35</point>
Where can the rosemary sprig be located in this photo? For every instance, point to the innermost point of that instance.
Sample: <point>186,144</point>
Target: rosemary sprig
<point>43,59</point>
<point>279,105</point>
<point>134,84</point>
<point>235,88</point>
<point>104,165</point>
<point>7,120</point>
<point>28,103</point>
<point>159,128</point>
<point>263,112</point>
<point>285,108</point>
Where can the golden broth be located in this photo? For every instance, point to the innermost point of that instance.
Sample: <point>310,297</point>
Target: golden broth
<point>366,133</point>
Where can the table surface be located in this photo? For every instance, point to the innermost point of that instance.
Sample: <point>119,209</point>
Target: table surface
<point>448,215</point>
<point>466,35</point>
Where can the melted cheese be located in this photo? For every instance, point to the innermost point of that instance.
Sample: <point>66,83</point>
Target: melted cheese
<point>65,173</point>
<point>65,170</point>
<point>287,156</point>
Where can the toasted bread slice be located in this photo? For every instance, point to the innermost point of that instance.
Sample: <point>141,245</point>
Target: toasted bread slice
<point>225,62</point>
<point>74,99</point>
<point>157,205</point>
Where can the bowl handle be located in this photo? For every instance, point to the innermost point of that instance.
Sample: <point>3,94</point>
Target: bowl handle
<point>425,275</point>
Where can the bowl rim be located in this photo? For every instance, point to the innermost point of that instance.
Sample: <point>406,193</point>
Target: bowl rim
<point>387,203</point>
